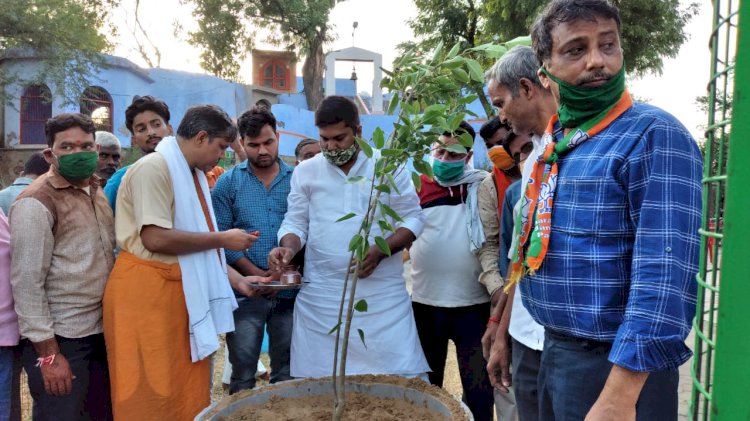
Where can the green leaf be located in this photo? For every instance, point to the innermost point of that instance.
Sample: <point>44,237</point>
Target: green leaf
<point>423,167</point>
<point>466,140</point>
<point>384,188</point>
<point>456,48</point>
<point>361,306</point>
<point>355,242</point>
<point>454,62</point>
<point>393,183</point>
<point>437,52</point>
<point>461,75</point>
<point>455,122</point>
<point>385,226</point>
<point>362,337</point>
<point>392,152</point>
<point>366,148</point>
<point>417,181</point>
<point>335,328</point>
<point>383,245</point>
<point>456,148</point>
<point>390,212</point>
<point>378,138</point>
<point>355,179</point>
<point>475,70</point>
<point>393,104</point>
<point>363,249</point>
<point>524,40</point>
<point>347,216</point>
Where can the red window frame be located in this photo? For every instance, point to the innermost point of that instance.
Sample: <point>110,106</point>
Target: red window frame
<point>274,78</point>
<point>36,108</point>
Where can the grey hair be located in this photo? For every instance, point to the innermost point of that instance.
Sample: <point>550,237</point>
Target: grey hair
<point>106,139</point>
<point>520,62</point>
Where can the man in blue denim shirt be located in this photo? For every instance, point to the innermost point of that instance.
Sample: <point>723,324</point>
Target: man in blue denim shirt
<point>610,274</point>
<point>253,197</point>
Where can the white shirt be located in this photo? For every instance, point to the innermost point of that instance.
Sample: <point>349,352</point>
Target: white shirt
<point>320,194</point>
<point>522,327</point>
<point>444,270</point>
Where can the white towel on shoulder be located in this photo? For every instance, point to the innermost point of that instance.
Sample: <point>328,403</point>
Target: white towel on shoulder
<point>208,295</point>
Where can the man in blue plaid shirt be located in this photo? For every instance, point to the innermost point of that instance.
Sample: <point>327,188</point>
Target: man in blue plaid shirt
<point>615,288</point>
<point>253,196</point>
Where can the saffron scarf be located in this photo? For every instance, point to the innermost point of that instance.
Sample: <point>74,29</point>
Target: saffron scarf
<point>540,190</point>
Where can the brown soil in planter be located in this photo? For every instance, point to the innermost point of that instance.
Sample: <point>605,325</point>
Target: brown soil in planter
<point>359,407</point>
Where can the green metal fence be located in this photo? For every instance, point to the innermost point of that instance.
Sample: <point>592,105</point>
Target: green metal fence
<point>721,367</point>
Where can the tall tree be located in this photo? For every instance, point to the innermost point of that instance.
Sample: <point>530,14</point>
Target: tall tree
<point>67,34</point>
<point>225,35</point>
<point>651,30</point>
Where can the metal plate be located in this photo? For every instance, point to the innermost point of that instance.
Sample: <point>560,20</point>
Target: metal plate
<point>275,285</point>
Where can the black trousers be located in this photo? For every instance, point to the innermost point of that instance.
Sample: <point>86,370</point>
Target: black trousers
<point>90,397</point>
<point>525,370</point>
<point>465,327</point>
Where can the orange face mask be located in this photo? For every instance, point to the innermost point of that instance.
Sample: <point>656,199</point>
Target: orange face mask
<point>500,159</point>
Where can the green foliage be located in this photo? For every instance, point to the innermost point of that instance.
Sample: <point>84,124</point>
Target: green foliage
<point>65,33</point>
<point>651,30</point>
<point>225,36</point>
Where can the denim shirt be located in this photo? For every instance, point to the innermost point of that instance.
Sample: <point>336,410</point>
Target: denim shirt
<point>241,200</point>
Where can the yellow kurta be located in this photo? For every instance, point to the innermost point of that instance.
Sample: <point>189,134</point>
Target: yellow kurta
<point>145,318</point>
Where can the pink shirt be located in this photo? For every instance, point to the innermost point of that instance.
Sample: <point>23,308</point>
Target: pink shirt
<point>8,317</point>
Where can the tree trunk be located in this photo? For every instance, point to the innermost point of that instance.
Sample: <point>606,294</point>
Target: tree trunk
<point>312,72</point>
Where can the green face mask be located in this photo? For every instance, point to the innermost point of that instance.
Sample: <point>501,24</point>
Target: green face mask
<point>447,171</point>
<point>579,104</point>
<point>340,157</point>
<point>77,166</point>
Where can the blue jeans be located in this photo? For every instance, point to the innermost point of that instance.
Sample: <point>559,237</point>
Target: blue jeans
<point>90,396</point>
<point>572,375</point>
<point>10,377</point>
<point>250,318</point>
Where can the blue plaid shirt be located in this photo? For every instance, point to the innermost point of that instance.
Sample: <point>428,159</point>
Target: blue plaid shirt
<point>241,200</point>
<point>623,249</point>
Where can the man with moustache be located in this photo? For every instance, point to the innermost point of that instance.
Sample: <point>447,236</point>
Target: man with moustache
<point>110,153</point>
<point>147,119</point>
<point>608,233</point>
<point>253,197</point>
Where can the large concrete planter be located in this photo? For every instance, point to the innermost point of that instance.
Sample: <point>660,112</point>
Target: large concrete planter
<point>415,391</point>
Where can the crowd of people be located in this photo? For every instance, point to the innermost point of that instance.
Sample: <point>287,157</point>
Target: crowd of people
<point>564,275</point>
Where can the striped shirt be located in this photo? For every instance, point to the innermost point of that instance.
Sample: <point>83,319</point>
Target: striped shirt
<point>623,250</point>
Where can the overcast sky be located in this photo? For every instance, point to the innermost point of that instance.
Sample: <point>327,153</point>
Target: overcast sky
<point>382,25</point>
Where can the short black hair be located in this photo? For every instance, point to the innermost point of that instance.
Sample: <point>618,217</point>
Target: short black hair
<point>62,122</point>
<point>562,11</point>
<point>209,118</point>
<point>464,127</point>
<point>36,164</point>
<point>145,103</point>
<point>302,143</point>
<point>491,126</point>
<point>251,122</point>
<point>335,109</point>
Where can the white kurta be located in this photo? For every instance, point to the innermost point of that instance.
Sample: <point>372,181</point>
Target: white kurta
<point>320,194</point>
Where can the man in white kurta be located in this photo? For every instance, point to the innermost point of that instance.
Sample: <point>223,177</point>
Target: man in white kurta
<point>321,194</point>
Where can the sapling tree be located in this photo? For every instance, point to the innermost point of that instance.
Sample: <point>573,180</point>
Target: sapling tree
<point>429,100</point>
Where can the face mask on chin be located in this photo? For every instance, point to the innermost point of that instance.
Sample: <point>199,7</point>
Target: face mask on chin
<point>579,104</point>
